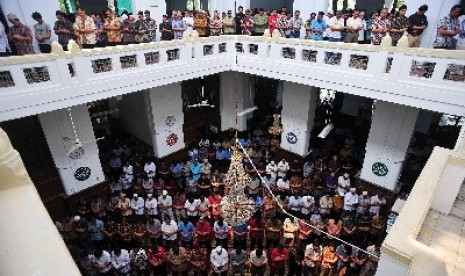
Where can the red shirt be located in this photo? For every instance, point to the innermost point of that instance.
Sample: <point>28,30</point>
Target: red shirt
<point>284,254</point>
<point>157,257</point>
<point>203,227</point>
<point>272,19</point>
<point>253,223</point>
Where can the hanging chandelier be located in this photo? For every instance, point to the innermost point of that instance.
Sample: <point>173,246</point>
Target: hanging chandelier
<point>276,128</point>
<point>236,207</point>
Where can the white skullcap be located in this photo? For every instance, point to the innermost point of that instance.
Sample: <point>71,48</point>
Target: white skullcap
<point>77,218</point>
<point>124,17</point>
<point>165,192</point>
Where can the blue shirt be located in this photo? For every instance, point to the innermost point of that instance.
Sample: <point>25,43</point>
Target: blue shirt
<point>96,230</point>
<point>196,170</point>
<point>331,182</point>
<point>115,163</point>
<point>186,228</point>
<point>219,154</point>
<point>240,229</point>
<point>176,168</point>
<point>226,154</point>
<point>320,26</point>
<point>341,251</point>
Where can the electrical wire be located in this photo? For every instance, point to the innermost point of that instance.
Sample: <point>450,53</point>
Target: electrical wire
<point>292,216</point>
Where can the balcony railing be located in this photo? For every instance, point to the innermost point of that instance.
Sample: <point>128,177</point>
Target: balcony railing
<point>424,78</point>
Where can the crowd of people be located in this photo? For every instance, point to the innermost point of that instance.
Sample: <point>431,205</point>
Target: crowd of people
<point>166,219</point>
<point>351,26</point>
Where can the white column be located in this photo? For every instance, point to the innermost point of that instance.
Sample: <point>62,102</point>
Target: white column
<point>57,125</point>
<point>27,224</point>
<point>229,82</point>
<point>297,116</point>
<point>351,104</point>
<point>436,10</point>
<point>391,130</point>
<point>166,118</point>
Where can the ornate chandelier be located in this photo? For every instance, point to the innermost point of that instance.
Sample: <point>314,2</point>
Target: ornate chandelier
<point>236,208</point>
<point>276,128</point>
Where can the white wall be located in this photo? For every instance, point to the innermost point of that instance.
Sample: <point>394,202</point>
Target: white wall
<point>164,101</point>
<point>134,116</point>
<point>452,179</point>
<point>297,115</point>
<point>390,267</point>
<point>391,130</point>
<point>56,125</point>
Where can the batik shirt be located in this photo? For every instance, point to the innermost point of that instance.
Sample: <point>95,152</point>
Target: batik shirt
<point>22,47</point>
<point>151,24</point>
<point>449,24</point>
<point>399,23</point>
<point>114,36</point>
<point>247,23</point>
<point>177,24</point>
<point>379,24</point>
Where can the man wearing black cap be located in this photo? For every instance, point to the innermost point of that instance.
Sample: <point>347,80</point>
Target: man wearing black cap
<point>63,29</point>
<point>151,26</point>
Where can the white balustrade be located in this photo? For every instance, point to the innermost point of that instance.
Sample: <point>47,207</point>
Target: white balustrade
<point>425,78</point>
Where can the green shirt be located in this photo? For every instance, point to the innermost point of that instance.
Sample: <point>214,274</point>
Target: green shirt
<point>260,23</point>
<point>228,29</point>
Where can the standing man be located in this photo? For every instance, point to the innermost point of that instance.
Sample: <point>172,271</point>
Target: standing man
<point>353,25</point>
<point>84,29</point>
<point>141,29</point>
<point>296,25</point>
<point>169,228</point>
<point>229,25</point>
<point>42,33</point>
<point>63,29</point>
<point>238,19</point>
<point>380,27</point>
<point>336,25</point>
<point>447,28</point>
<point>112,26</point>
<point>272,20</point>
<point>178,26</point>
<point>308,26</point>
<point>165,29</point>
<point>318,27</point>
<point>219,261</point>
<point>151,26</point>
<point>21,36</point>
<point>4,47</point>
<point>417,23</point>
<point>260,23</point>
<point>399,25</point>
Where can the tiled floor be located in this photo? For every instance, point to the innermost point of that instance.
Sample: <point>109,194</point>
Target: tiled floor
<point>447,234</point>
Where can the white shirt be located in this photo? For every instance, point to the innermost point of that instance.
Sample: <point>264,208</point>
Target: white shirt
<point>219,261</point>
<point>307,168</point>
<point>307,202</point>
<point>272,169</point>
<point>224,228</point>
<point>171,228</point>
<point>168,201</point>
<point>361,33</point>
<point>343,185</point>
<point>151,206</point>
<point>129,171</point>
<point>137,204</point>
<point>122,262</point>
<point>104,259</point>
<point>189,25</point>
<point>295,203</point>
<point>283,167</point>
<point>192,208</point>
<point>354,22</point>
<point>349,201</point>
<point>311,252</point>
<point>150,169</point>
<point>376,203</point>
<point>281,184</point>
<point>331,23</point>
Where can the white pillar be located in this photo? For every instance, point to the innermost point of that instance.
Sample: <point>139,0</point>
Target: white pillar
<point>229,82</point>
<point>391,130</point>
<point>436,10</point>
<point>57,125</point>
<point>351,104</point>
<point>166,118</point>
<point>297,116</point>
<point>27,224</point>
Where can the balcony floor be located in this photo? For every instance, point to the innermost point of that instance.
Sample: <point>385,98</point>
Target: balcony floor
<point>446,233</point>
